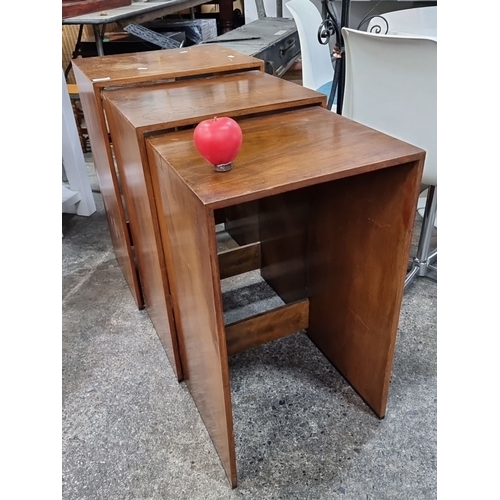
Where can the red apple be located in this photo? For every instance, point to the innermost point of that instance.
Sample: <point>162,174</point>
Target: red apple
<point>219,141</point>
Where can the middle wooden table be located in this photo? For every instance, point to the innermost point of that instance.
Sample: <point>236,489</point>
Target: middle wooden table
<point>135,113</point>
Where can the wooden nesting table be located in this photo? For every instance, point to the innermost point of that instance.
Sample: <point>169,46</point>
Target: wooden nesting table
<point>134,114</point>
<point>336,203</point>
<point>95,74</point>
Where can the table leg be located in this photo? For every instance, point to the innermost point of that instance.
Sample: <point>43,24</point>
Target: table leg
<point>98,40</point>
<point>190,250</point>
<point>358,246</point>
<point>226,15</point>
<point>76,51</point>
<point>108,182</point>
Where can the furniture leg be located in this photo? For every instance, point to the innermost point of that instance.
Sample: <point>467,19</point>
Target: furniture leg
<point>191,250</point>
<point>108,183</point>
<point>424,258</point>
<point>359,239</point>
<point>226,15</point>
<point>76,51</point>
<point>72,155</point>
<point>98,40</point>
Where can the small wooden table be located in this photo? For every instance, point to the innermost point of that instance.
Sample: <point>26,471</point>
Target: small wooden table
<point>95,74</point>
<point>336,210</point>
<point>133,114</point>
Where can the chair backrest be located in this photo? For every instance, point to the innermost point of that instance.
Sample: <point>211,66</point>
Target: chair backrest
<point>420,21</point>
<point>252,14</point>
<point>391,86</point>
<point>317,67</point>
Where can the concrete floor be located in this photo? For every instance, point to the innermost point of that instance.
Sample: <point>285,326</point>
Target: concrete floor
<point>131,431</point>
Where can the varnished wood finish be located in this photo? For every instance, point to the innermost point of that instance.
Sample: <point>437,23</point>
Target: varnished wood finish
<point>359,189</point>
<point>285,152</point>
<point>72,8</point>
<point>242,222</point>
<point>93,74</point>
<point>156,65</point>
<point>135,112</point>
<point>283,223</point>
<point>161,107</point>
<point>189,239</point>
<point>137,190</point>
<point>358,253</point>
<point>267,326</point>
<point>239,260</point>
<point>108,183</point>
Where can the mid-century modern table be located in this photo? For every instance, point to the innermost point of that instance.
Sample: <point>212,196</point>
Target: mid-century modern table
<point>135,113</point>
<point>94,74</point>
<point>336,203</point>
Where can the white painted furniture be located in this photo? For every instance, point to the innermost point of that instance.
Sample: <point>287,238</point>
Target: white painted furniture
<point>317,67</point>
<point>391,86</point>
<point>76,193</point>
<point>416,21</point>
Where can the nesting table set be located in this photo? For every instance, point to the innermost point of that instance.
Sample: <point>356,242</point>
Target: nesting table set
<point>322,205</point>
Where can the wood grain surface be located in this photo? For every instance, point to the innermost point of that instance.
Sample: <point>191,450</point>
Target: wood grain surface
<point>267,326</point>
<point>135,112</point>
<point>129,150</point>
<point>94,74</point>
<point>104,164</point>
<point>72,8</point>
<point>358,249</point>
<point>142,67</point>
<point>283,152</point>
<point>164,106</point>
<point>356,190</point>
<point>188,234</point>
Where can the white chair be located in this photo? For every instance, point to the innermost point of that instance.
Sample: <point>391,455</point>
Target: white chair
<point>420,21</point>
<point>391,86</point>
<point>317,67</point>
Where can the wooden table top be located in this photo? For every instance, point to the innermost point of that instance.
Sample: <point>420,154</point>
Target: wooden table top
<point>187,102</point>
<point>134,9</point>
<point>145,66</point>
<point>282,152</point>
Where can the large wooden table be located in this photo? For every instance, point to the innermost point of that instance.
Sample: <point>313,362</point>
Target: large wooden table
<point>135,113</point>
<point>94,75</point>
<point>336,203</point>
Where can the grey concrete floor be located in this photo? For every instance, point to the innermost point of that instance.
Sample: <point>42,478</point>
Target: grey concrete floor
<point>131,431</point>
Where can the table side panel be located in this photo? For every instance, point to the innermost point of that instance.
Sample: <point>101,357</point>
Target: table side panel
<point>283,221</point>
<point>108,182</point>
<point>133,167</point>
<point>188,232</point>
<point>359,241</point>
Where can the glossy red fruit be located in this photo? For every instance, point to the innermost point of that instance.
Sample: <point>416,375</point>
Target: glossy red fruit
<point>218,140</point>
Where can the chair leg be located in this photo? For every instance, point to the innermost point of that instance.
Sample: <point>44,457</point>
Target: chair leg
<point>424,258</point>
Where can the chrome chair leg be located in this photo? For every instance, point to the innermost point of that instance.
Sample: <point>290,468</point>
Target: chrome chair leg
<point>424,257</point>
